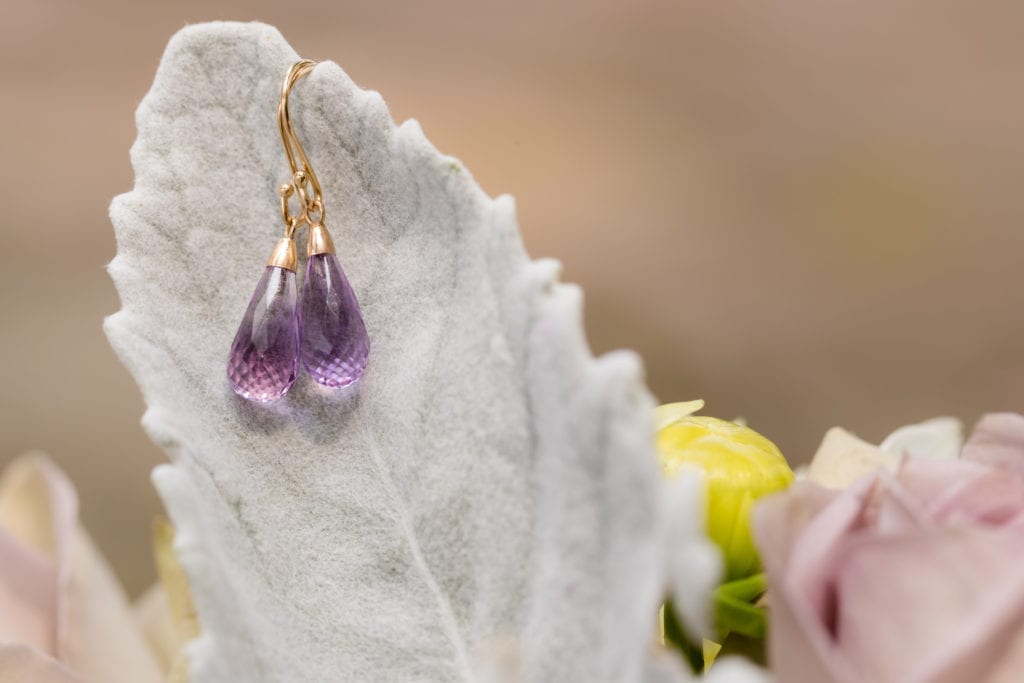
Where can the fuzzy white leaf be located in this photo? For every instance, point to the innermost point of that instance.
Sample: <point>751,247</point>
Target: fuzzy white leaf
<point>694,561</point>
<point>490,487</point>
<point>736,670</point>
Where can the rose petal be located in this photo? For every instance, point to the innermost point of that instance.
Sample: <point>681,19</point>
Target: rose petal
<point>27,595</point>
<point>962,490</point>
<point>894,510</point>
<point>842,459</point>
<point>38,508</point>
<point>103,641</point>
<point>812,555</point>
<point>940,438</point>
<point>905,599</point>
<point>799,647</point>
<point>23,664</point>
<point>998,440</point>
<point>56,591</point>
<point>988,648</point>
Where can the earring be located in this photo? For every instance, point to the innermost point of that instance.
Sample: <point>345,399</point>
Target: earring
<point>327,332</point>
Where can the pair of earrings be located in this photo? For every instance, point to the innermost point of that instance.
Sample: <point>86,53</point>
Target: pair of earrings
<point>323,331</point>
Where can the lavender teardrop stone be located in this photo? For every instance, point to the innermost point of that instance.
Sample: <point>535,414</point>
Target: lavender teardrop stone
<point>335,346</point>
<point>264,358</point>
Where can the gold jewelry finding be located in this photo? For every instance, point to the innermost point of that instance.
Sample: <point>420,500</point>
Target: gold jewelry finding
<point>305,183</point>
<point>284,254</point>
<point>319,241</point>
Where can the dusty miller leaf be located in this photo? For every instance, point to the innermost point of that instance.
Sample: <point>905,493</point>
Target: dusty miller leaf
<point>488,494</point>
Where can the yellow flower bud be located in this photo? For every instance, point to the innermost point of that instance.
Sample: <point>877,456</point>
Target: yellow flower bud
<point>739,466</point>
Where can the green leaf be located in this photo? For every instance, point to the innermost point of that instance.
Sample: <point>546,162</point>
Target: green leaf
<point>734,608</point>
<point>747,590</point>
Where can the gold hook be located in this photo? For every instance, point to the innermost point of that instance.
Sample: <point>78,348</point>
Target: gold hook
<point>304,179</point>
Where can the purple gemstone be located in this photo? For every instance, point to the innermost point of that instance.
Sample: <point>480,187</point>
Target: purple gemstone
<point>335,346</point>
<point>264,357</point>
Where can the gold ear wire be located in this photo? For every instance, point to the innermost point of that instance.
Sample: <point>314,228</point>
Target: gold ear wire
<point>304,179</point>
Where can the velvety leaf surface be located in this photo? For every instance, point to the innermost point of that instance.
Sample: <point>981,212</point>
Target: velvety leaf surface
<point>487,494</point>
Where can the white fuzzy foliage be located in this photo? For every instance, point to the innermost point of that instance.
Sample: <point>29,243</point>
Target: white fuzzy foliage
<point>487,500</point>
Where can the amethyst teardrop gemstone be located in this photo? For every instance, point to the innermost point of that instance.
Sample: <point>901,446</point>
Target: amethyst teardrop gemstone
<point>335,346</point>
<point>264,358</point>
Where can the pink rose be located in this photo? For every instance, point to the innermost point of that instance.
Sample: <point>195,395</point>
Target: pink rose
<point>912,576</point>
<point>63,616</point>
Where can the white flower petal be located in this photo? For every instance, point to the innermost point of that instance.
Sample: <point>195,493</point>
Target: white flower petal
<point>940,438</point>
<point>842,459</point>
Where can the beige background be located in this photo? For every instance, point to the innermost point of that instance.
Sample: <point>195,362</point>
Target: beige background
<point>805,215</point>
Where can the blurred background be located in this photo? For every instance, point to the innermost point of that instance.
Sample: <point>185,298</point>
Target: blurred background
<point>808,214</point>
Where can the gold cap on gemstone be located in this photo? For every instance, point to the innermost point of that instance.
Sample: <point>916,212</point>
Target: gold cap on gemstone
<point>284,254</point>
<point>319,242</point>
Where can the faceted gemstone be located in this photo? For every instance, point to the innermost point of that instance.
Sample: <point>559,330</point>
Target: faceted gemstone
<point>264,358</point>
<point>335,346</point>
